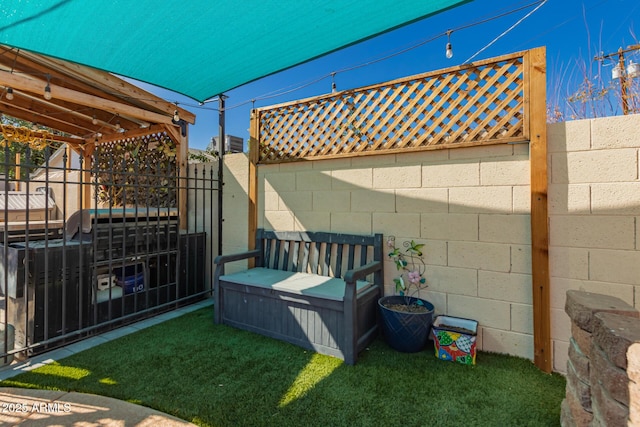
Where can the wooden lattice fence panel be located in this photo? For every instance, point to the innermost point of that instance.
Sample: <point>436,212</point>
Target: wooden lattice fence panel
<point>468,105</point>
<point>140,171</point>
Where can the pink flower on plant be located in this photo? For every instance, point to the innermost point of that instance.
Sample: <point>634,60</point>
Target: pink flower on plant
<point>391,241</point>
<point>414,277</point>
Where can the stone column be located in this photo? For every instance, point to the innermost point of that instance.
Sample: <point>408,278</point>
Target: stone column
<point>582,308</point>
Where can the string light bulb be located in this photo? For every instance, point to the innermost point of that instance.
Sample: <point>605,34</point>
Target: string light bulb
<point>118,123</point>
<point>94,120</point>
<point>9,94</point>
<point>47,92</point>
<point>334,88</point>
<point>176,116</point>
<point>449,50</point>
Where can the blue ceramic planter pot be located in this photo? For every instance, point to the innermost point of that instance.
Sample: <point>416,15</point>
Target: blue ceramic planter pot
<point>403,331</point>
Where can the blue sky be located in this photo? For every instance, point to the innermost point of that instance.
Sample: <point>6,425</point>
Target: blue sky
<point>573,31</point>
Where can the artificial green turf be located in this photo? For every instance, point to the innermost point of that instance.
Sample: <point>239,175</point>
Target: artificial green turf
<point>214,375</point>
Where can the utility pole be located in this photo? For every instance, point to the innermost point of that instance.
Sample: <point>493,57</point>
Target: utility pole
<point>624,74</point>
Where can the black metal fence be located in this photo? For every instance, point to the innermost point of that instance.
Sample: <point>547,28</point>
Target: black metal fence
<point>88,247</point>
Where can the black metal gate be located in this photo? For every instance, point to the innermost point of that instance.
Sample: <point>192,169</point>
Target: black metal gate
<point>90,247</point>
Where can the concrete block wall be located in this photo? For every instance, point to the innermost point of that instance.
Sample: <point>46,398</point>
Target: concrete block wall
<point>594,207</point>
<point>470,207</point>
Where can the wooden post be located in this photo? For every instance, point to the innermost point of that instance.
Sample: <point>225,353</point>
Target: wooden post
<point>87,198</point>
<point>254,149</point>
<point>183,163</point>
<point>536,96</point>
<point>17,176</point>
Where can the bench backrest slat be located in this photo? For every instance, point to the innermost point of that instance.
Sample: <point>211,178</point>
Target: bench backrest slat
<point>317,252</point>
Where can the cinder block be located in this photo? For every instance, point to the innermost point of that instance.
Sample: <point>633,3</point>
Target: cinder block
<point>594,166</point>
<point>569,263</point>
<point>560,356</point>
<point>615,333</point>
<point>480,199</point>
<point>375,161</point>
<point>279,220</point>
<point>560,324</point>
<point>438,299</point>
<point>435,252</point>
<point>483,256</point>
<point>521,259</point>
<point>512,287</point>
<point>615,266</point>
<point>397,224</point>
<point>374,200</point>
<point>422,200</point>
<point>592,231</point>
<point>451,174</point>
<point>569,199</point>
<point>522,318</point>
<point>347,179</point>
<point>621,198</point>
<point>489,313</point>
<point>481,152</point>
<point>397,177</point>
<point>461,281</point>
<point>615,132</point>
<point>501,341</point>
<point>331,164</point>
<point>270,201</point>
<point>514,171</point>
<point>521,149</point>
<point>312,221</point>
<point>295,201</point>
<point>352,222</point>
<point>574,135</point>
<point>521,195</point>
<point>280,181</point>
<point>605,374</point>
<point>443,226</point>
<point>583,308</point>
<point>427,156</point>
<point>313,180</point>
<point>505,228</point>
<point>332,201</point>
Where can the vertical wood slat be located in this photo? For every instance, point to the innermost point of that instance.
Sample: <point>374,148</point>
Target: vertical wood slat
<point>296,256</point>
<point>350,261</point>
<point>254,153</point>
<point>327,260</point>
<point>276,255</point>
<point>535,71</point>
<point>267,253</point>
<point>339,250</point>
<point>285,255</point>
<point>315,258</point>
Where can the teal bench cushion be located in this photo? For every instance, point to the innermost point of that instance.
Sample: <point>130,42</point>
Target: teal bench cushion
<point>294,282</point>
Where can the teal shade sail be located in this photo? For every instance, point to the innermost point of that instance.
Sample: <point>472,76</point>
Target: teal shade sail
<point>201,48</point>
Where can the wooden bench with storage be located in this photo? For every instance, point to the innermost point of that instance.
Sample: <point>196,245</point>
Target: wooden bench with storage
<point>315,289</point>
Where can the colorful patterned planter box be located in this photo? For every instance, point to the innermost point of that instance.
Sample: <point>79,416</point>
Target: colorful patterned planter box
<point>455,339</point>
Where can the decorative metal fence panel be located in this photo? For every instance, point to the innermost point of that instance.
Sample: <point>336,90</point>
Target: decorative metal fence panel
<point>482,103</point>
<point>90,245</point>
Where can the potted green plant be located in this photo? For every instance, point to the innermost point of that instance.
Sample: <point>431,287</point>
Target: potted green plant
<point>406,319</point>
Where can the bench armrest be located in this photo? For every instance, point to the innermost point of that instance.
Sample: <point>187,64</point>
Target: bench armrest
<point>361,272</point>
<point>221,259</point>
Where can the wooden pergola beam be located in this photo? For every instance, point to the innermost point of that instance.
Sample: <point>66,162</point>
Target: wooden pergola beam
<point>30,84</point>
<point>91,81</point>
